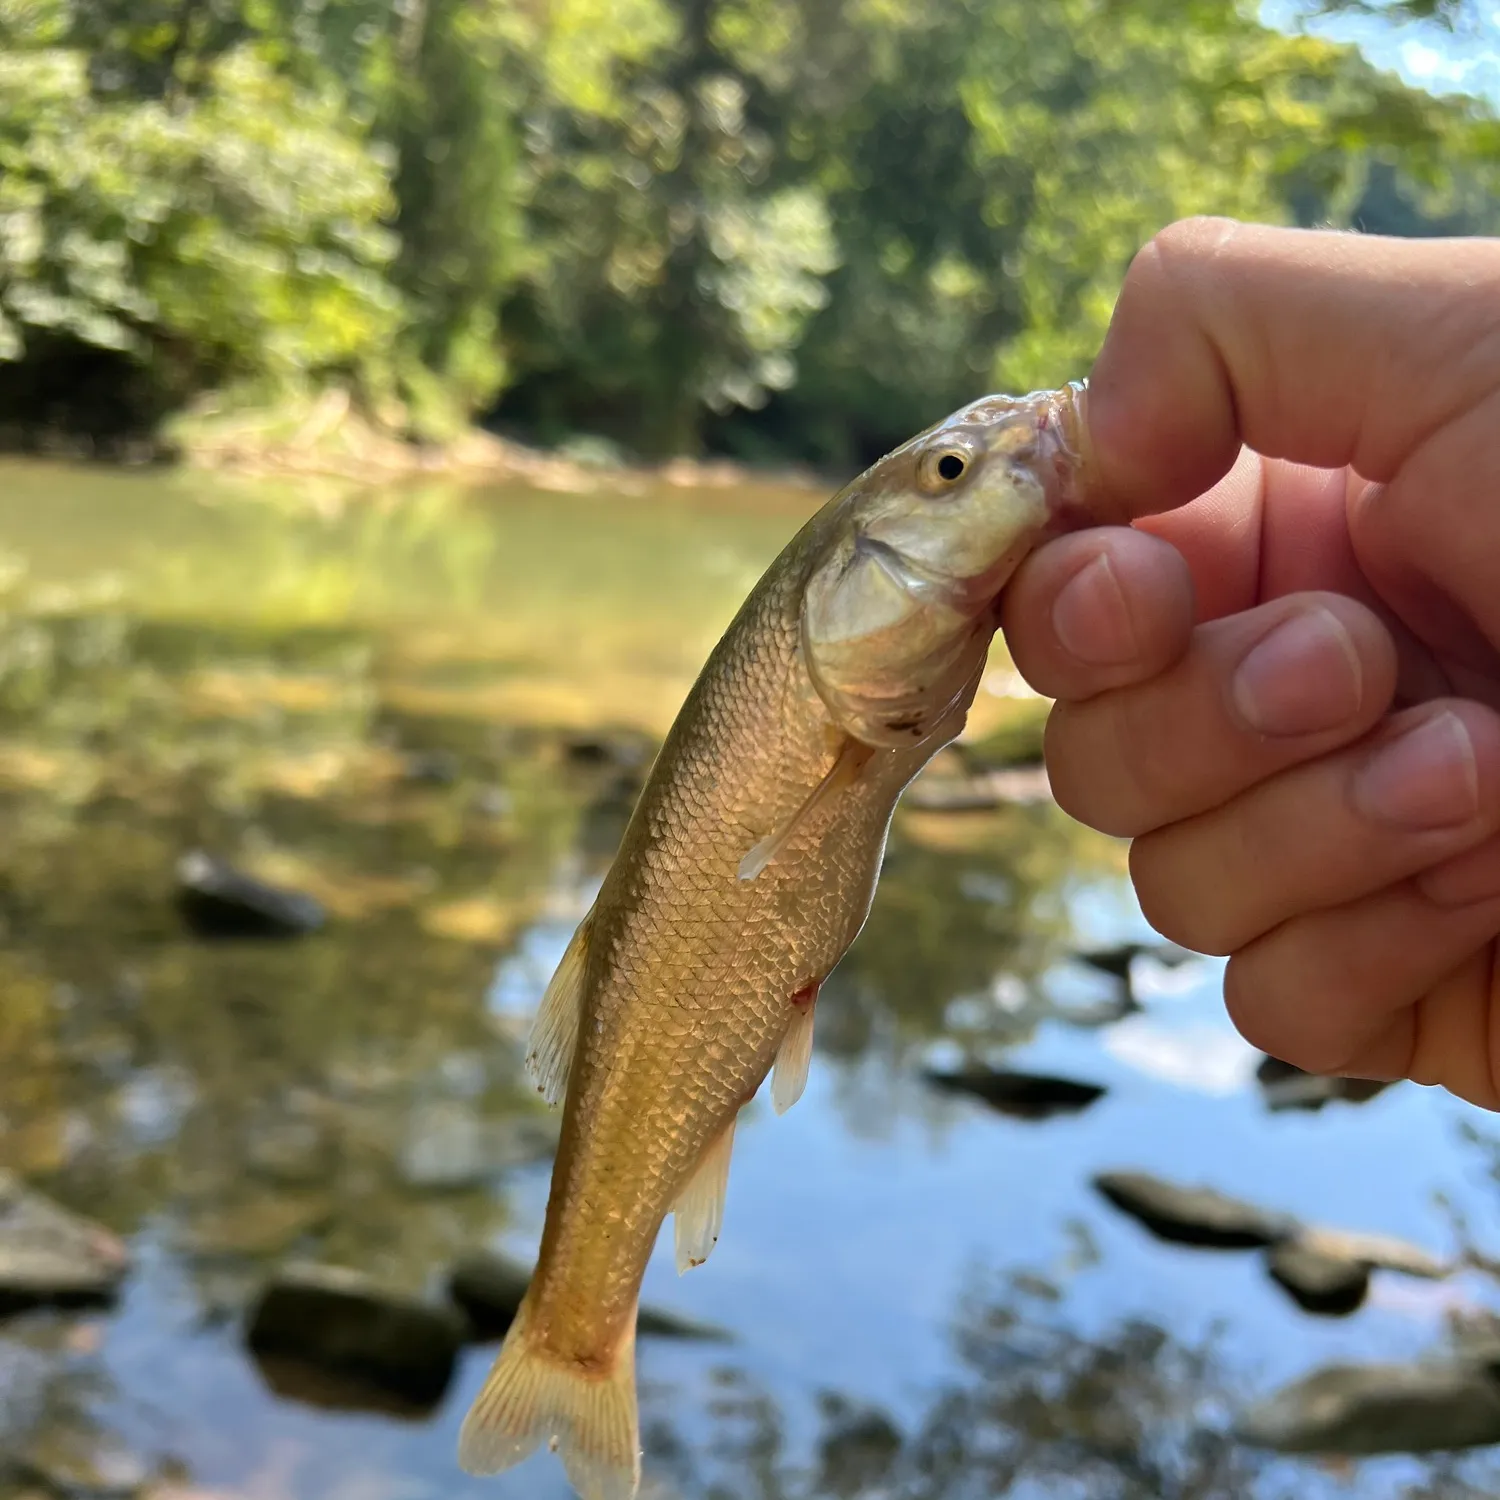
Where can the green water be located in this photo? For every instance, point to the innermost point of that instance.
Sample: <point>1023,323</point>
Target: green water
<point>425,708</point>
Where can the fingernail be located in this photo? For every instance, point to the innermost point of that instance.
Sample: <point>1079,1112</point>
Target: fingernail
<point>1302,678</point>
<point>1091,618</point>
<point>1425,779</point>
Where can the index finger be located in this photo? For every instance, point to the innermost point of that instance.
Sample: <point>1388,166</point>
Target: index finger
<point>1323,347</point>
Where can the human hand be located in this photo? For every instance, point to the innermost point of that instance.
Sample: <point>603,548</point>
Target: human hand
<point>1282,682</point>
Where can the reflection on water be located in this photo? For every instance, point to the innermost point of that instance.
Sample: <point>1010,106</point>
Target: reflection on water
<point>431,713</point>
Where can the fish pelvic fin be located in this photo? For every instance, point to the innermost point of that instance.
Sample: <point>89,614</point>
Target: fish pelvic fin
<point>854,755</point>
<point>587,1416</point>
<point>554,1033</point>
<point>698,1213</point>
<point>794,1056</point>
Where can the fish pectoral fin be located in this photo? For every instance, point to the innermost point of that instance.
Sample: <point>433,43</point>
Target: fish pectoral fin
<point>854,755</point>
<point>588,1417</point>
<point>794,1056</point>
<point>554,1033</point>
<point>698,1213</point>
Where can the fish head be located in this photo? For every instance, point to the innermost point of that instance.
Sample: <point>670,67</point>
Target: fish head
<point>902,601</point>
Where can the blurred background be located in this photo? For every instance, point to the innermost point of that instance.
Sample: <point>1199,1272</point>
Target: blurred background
<point>398,399</point>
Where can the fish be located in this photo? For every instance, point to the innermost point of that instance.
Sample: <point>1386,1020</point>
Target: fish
<point>746,871</point>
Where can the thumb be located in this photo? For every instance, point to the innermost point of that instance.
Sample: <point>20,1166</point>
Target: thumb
<point>1323,347</point>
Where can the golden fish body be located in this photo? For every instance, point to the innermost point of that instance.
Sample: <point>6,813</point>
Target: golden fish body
<point>745,873</point>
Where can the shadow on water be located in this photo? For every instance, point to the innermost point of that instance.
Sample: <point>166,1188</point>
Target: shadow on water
<point>432,716</point>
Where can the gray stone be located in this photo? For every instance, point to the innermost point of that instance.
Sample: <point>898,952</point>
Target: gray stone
<point>218,901</point>
<point>1368,1409</point>
<point>1378,1252</point>
<point>1193,1215</point>
<point>73,1458</point>
<point>1333,1285</point>
<point>352,1326</point>
<point>50,1255</point>
<point>489,1286</point>
<point>1023,1096</point>
<point>1284,1086</point>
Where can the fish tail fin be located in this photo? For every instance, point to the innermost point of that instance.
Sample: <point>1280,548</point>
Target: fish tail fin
<point>588,1418</point>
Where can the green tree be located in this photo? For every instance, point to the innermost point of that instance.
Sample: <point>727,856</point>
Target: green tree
<point>233,231</point>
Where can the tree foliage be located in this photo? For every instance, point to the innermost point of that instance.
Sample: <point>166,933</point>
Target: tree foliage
<point>777,226</point>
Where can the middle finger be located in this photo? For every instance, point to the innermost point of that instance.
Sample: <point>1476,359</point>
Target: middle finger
<point>1255,693</point>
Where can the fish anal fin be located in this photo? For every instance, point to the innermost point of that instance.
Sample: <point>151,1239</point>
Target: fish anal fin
<point>853,756</point>
<point>554,1033</point>
<point>794,1056</point>
<point>588,1417</point>
<point>698,1213</point>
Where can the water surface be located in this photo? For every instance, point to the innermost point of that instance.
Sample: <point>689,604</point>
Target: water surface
<point>429,708</point>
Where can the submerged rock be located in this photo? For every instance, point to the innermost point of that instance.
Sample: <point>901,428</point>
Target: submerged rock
<point>1378,1252</point>
<point>1024,1096</point>
<point>1194,1215</point>
<point>1285,1086</point>
<point>1118,963</point>
<point>353,1327</point>
<point>1325,1271</point>
<point>49,1255</point>
<point>489,1286</point>
<point>1331,1285</point>
<point>76,1459</point>
<point>218,901</point>
<point>1368,1409</point>
<point>1119,960</point>
<point>622,749</point>
<point>431,767</point>
<point>267,1224</point>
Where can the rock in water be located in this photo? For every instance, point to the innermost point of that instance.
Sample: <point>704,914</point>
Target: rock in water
<point>1378,1252</point>
<point>489,1287</point>
<point>1331,1285</point>
<point>1193,1215</point>
<point>1025,1096</point>
<point>1368,1409</point>
<point>353,1327</point>
<point>1118,961</point>
<point>218,901</point>
<point>72,1458</point>
<point>49,1255</point>
<point>1285,1086</point>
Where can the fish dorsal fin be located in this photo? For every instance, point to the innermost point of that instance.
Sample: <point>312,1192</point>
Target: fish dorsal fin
<point>554,1033</point>
<point>698,1213</point>
<point>852,758</point>
<point>794,1056</point>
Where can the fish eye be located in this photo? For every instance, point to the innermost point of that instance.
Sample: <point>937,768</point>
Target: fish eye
<point>943,467</point>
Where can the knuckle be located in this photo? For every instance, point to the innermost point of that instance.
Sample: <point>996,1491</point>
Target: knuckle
<point>1082,770</point>
<point>1173,901</point>
<point>1277,994</point>
<point>1253,1019</point>
<point>1183,243</point>
<point>1141,753</point>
